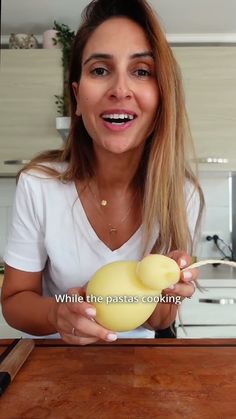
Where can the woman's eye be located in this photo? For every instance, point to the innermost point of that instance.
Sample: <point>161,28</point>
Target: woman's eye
<point>143,73</point>
<point>99,71</point>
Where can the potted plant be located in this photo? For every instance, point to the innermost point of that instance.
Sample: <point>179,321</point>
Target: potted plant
<point>64,38</point>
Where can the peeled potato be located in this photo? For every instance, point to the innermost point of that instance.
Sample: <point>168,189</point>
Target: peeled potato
<point>123,292</point>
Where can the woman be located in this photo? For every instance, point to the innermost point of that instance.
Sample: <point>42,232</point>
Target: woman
<point>119,189</point>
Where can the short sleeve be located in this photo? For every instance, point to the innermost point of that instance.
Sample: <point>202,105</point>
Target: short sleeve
<point>25,248</point>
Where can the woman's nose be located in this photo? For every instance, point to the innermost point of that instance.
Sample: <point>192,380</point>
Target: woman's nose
<point>120,88</point>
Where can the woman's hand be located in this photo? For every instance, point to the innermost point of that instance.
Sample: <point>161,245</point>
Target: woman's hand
<point>186,285</point>
<point>75,321</point>
<point>165,314</point>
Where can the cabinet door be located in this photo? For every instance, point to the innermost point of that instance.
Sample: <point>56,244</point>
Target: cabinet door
<point>209,75</point>
<point>212,306</point>
<point>201,332</point>
<point>29,81</point>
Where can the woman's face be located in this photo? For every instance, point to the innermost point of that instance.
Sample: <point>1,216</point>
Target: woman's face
<point>117,94</point>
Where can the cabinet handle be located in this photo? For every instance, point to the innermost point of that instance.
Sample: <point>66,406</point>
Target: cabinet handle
<point>224,301</point>
<point>16,162</point>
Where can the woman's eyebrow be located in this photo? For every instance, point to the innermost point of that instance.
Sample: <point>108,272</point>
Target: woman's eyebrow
<point>142,54</point>
<point>102,56</point>
<point>98,56</point>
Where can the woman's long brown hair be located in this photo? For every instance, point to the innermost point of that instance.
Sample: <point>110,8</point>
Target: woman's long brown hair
<point>164,167</point>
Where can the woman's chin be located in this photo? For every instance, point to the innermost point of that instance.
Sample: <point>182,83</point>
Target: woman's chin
<point>119,147</point>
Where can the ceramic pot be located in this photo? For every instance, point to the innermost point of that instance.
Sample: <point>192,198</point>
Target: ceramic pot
<point>48,39</point>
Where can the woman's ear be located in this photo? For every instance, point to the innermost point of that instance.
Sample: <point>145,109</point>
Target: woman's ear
<point>75,87</point>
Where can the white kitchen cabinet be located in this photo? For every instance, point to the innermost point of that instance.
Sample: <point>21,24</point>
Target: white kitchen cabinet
<point>29,81</point>
<point>211,312</point>
<point>207,332</point>
<point>6,331</point>
<point>209,75</point>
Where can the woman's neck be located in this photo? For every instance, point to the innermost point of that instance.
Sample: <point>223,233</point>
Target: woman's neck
<point>116,172</point>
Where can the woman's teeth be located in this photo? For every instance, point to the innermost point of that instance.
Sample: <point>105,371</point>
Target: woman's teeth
<point>117,119</point>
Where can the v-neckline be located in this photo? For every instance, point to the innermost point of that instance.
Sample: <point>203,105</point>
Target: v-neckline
<point>88,229</point>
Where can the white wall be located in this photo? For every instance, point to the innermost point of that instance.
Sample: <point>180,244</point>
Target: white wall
<point>218,213</point>
<point>177,17</point>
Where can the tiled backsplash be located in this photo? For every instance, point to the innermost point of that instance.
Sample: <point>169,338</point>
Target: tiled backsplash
<point>216,188</point>
<point>217,218</point>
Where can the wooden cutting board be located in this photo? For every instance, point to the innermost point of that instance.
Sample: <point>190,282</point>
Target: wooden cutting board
<point>128,379</point>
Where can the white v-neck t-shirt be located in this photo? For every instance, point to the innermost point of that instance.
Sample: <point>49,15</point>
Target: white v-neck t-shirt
<point>50,232</point>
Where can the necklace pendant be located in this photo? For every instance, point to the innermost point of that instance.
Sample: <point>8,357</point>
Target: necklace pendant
<point>113,230</point>
<point>103,203</point>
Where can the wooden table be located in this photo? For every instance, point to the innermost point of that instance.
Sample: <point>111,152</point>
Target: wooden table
<point>128,379</point>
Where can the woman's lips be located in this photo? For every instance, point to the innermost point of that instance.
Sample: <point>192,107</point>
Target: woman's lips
<point>118,127</point>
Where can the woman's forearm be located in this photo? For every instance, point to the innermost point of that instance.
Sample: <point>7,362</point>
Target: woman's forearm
<point>163,316</point>
<point>28,311</point>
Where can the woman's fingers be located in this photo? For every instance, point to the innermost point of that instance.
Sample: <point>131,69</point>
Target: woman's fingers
<point>77,340</point>
<point>75,321</point>
<point>78,303</point>
<point>87,327</point>
<point>181,257</point>
<point>79,327</point>
<point>189,275</point>
<point>186,285</point>
<point>185,290</point>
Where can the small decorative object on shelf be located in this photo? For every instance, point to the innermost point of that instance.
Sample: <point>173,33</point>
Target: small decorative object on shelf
<point>49,37</point>
<point>62,126</point>
<point>22,41</point>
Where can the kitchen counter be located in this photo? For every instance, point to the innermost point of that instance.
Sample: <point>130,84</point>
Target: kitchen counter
<point>133,379</point>
<point>217,272</point>
<point>221,275</point>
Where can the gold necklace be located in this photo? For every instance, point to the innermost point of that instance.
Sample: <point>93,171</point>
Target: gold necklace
<point>102,203</point>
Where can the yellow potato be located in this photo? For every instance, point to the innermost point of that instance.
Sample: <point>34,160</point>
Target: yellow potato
<point>126,293</point>
<point>118,281</point>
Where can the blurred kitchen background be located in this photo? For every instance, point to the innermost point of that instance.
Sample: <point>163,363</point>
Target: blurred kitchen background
<point>203,37</point>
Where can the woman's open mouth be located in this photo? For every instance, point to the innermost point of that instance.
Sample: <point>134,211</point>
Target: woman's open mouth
<point>118,121</point>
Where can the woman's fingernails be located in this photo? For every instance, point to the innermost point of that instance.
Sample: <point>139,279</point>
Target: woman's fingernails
<point>182,263</point>
<point>111,336</point>
<point>91,312</point>
<point>187,275</point>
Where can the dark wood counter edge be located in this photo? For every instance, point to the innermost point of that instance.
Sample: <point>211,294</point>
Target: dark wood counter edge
<point>193,343</point>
